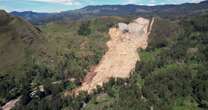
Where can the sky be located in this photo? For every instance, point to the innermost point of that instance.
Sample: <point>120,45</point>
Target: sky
<point>64,5</point>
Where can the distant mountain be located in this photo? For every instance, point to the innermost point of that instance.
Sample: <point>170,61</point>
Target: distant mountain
<point>18,37</point>
<point>33,16</point>
<point>117,10</point>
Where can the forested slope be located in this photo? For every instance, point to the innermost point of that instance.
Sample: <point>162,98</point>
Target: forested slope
<point>57,59</point>
<point>172,73</point>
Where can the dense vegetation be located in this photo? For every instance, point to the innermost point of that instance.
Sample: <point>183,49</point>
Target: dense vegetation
<point>60,63</point>
<point>172,73</point>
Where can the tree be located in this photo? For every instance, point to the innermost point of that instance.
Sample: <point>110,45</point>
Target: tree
<point>84,29</point>
<point>200,89</point>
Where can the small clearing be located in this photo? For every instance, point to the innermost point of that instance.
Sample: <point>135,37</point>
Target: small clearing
<point>122,55</point>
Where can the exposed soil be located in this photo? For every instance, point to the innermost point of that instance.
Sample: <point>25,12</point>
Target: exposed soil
<point>122,55</point>
<point>9,105</point>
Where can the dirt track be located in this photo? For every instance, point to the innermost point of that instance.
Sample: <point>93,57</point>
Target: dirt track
<point>122,54</point>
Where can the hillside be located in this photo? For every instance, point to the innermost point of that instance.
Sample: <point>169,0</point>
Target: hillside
<point>167,11</point>
<point>59,53</point>
<point>166,77</point>
<point>40,64</point>
<point>18,37</point>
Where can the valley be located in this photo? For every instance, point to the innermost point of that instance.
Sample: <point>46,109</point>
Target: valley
<point>105,57</point>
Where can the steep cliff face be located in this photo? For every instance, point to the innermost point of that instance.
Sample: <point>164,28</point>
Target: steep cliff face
<point>122,55</point>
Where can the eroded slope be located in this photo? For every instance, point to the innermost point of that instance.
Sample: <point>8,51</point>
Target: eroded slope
<point>122,54</point>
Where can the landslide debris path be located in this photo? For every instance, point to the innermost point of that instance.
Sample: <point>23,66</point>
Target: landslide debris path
<point>122,55</point>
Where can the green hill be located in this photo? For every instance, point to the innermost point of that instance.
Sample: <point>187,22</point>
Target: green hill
<point>48,53</point>
<point>18,38</point>
<point>172,73</point>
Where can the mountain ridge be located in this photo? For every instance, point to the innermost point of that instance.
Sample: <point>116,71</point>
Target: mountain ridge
<point>116,10</point>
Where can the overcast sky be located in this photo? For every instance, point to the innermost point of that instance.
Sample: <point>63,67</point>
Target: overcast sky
<point>64,5</point>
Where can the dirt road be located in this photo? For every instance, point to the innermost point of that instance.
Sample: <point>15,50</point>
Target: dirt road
<point>122,55</point>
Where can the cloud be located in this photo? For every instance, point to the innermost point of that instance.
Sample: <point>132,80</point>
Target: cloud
<point>196,1</point>
<point>66,2</point>
<point>182,1</point>
<point>131,1</point>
